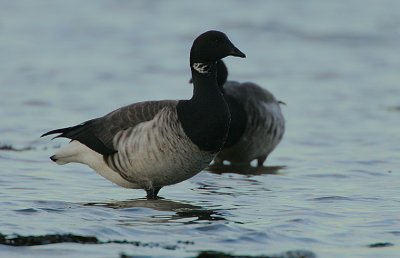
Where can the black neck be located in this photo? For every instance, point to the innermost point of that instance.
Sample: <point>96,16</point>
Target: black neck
<point>205,117</point>
<point>205,84</point>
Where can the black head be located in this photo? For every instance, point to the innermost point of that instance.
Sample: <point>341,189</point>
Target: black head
<point>212,46</point>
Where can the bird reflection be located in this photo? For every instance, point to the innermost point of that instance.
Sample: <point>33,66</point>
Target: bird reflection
<point>244,169</point>
<point>181,210</point>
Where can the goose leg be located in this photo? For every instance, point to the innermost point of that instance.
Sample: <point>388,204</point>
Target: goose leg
<point>152,193</point>
<point>261,160</point>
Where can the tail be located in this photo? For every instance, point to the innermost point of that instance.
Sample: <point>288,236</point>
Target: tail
<point>85,134</point>
<point>72,132</point>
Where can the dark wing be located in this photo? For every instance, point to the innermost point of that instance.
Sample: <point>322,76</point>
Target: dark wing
<point>98,134</point>
<point>248,91</point>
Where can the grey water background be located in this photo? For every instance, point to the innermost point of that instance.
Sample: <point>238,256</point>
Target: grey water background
<point>335,63</point>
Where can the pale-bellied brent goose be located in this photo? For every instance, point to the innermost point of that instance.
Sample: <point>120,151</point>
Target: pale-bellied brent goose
<point>257,124</point>
<point>152,144</point>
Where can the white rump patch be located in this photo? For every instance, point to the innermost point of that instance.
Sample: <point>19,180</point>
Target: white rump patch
<point>202,67</point>
<point>80,153</point>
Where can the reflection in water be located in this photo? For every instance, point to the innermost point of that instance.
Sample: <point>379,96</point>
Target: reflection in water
<point>393,108</point>
<point>244,169</point>
<point>288,254</point>
<point>159,205</point>
<point>181,210</point>
<point>7,147</point>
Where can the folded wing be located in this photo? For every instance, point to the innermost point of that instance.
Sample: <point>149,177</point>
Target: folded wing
<point>98,134</point>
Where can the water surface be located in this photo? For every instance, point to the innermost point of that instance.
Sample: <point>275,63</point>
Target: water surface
<point>331,186</point>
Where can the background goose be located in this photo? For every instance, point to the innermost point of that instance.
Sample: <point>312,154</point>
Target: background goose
<point>257,124</point>
<point>155,143</point>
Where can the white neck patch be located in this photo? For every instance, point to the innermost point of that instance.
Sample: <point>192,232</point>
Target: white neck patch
<point>202,67</point>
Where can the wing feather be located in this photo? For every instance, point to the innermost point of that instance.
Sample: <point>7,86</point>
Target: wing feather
<point>98,134</point>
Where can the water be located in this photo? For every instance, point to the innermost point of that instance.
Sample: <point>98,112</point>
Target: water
<point>336,64</point>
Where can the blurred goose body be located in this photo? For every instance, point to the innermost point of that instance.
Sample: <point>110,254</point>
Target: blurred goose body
<point>257,123</point>
<point>152,144</point>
